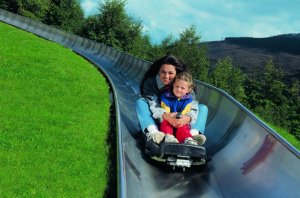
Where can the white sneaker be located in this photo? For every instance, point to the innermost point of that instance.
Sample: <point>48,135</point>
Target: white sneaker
<point>170,139</point>
<point>194,132</point>
<point>200,138</point>
<point>157,137</point>
<point>190,140</point>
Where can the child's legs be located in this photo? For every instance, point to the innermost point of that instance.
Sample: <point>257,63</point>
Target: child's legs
<point>144,114</point>
<point>201,119</point>
<point>182,133</point>
<point>166,127</point>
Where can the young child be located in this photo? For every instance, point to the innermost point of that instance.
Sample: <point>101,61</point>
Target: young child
<point>177,100</point>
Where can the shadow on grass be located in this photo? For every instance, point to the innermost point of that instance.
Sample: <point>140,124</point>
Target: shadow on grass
<point>111,188</point>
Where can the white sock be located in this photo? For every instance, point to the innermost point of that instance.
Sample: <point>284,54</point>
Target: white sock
<point>152,128</point>
<point>194,132</point>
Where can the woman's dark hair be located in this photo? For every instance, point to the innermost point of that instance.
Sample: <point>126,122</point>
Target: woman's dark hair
<point>156,65</point>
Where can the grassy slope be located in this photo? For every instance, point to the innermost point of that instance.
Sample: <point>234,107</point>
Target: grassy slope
<point>54,112</point>
<point>286,135</point>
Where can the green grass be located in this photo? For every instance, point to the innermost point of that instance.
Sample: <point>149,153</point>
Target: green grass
<point>283,133</point>
<point>286,135</point>
<point>54,115</point>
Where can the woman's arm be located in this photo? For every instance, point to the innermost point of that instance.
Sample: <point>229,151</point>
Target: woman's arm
<point>193,113</point>
<point>151,93</point>
<point>155,108</point>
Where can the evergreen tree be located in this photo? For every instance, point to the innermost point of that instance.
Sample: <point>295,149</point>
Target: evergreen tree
<point>253,93</point>
<point>294,114</point>
<point>273,84</point>
<point>273,100</point>
<point>228,78</point>
<point>268,96</point>
<point>276,108</point>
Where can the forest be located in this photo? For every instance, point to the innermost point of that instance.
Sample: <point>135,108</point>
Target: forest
<point>268,95</point>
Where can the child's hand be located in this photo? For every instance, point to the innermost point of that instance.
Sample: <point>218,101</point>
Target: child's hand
<point>178,115</point>
<point>173,114</point>
<point>183,120</point>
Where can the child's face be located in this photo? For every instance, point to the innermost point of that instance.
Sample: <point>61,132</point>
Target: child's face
<point>181,88</point>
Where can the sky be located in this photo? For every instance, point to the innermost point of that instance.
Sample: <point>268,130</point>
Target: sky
<point>214,19</point>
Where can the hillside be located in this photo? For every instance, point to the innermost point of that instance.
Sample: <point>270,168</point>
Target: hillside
<point>54,120</point>
<point>251,54</point>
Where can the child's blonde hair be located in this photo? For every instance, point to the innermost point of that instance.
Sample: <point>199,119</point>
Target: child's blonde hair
<point>185,76</point>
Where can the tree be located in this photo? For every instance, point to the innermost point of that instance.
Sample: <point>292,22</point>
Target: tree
<point>187,48</point>
<point>267,96</point>
<point>141,47</point>
<point>274,92</point>
<point>253,93</point>
<point>65,14</point>
<point>113,23</point>
<point>273,84</point>
<point>113,27</point>
<point>228,78</point>
<point>29,8</point>
<point>91,28</point>
<point>294,114</point>
<point>9,5</point>
<point>162,49</point>
<point>273,100</point>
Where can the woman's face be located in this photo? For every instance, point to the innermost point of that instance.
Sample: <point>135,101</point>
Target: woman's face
<point>167,73</point>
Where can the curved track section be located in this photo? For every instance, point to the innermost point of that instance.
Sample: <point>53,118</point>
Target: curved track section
<point>248,158</point>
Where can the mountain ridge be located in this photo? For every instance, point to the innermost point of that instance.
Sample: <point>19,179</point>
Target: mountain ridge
<point>251,54</point>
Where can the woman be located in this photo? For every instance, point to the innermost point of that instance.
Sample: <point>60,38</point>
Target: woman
<point>160,74</point>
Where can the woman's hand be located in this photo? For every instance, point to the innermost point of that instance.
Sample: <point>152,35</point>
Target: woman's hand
<point>171,118</point>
